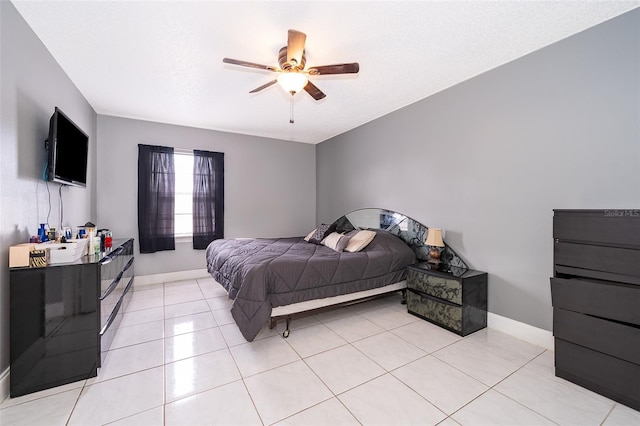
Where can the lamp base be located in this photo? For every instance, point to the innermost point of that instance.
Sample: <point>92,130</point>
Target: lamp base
<point>434,255</point>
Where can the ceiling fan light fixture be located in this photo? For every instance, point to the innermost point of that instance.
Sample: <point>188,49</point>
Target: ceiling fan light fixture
<point>292,75</point>
<point>292,81</point>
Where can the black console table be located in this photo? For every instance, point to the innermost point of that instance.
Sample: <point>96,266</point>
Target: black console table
<point>595,293</point>
<point>63,317</point>
<point>452,297</point>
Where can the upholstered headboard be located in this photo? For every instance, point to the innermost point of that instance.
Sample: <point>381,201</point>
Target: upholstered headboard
<point>409,230</point>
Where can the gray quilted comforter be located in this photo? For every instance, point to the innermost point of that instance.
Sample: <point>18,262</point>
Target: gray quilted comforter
<point>263,273</point>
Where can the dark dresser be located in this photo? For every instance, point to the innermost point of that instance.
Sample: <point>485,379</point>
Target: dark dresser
<point>63,317</point>
<point>452,297</point>
<point>595,292</point>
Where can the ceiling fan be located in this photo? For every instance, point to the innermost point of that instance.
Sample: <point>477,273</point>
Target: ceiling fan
<point>293,76</point>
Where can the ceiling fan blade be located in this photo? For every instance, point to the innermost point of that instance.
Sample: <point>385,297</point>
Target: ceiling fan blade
<point>335,69</point>
<point>264,86</point>
<point>315,93</point>
<point>295,47</point>
<point>249,64</point>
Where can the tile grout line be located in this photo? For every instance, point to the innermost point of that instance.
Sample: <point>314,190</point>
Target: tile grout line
<point>164,362</point>
<point>608,414</point>
<point>385,371</point>
<point>235,363</point>
<point>75,404</point>
<point>507,396</point>
<point>303,359</point>
<point>540,414</point>
<point>463,338</point>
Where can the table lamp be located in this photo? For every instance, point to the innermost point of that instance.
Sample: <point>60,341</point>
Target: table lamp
<point>434,240</point>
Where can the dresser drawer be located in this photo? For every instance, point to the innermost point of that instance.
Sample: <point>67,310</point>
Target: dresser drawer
<point>610,227</point>
<point>433,285</point>
<point>622,261</point>
<point>444,314</point>
<point>610,376</point>
<point>604,299</point>
<point>609,337</point>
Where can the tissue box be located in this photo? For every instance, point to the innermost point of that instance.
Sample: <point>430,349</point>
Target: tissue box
<point>19,255</point>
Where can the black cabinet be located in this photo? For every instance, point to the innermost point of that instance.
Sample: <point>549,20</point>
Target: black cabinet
<point>63,316</point>
<point>595,292</point>
<point>452,297</point>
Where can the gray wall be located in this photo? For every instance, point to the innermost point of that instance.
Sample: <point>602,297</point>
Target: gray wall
<point>31,85</point>
<point>269,185</point>
<point>488,159</point>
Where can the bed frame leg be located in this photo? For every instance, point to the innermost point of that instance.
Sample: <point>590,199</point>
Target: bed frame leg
<point>272,323</point>
<point>404,296</point>
<point>285,333</point>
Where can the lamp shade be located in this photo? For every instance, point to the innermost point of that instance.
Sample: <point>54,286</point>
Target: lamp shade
<point>292,81</point>
<point>434,238</point>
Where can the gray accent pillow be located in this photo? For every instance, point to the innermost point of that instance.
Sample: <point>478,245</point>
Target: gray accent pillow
<point>320,233</point>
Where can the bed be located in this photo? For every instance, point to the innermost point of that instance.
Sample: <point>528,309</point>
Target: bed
<point>272,278</point>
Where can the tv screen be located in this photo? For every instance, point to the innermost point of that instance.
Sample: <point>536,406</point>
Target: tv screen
<point>68,147</point>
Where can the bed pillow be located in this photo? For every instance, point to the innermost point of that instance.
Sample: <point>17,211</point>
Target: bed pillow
<point>321,232</point>
<point>359,240</point>
<point>336,241</point>
<point>308,237</point>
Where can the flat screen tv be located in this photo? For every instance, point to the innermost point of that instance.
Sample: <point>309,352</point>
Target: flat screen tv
<point>67,147</point>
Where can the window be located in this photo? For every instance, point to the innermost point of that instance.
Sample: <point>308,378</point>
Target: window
<point>183,163</point>
<point>180,194</point>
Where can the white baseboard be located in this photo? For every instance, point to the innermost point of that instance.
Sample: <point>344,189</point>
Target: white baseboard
<point>528,333</point>
<point>170,276</point>
<point>4,385</point>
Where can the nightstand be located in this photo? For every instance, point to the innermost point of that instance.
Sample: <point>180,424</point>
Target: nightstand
<point>452,297</point>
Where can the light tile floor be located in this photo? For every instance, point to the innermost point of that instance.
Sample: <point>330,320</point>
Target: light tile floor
<point>179,359</point>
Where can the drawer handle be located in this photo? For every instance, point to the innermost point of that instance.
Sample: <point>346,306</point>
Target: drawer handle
<point>112,317</point>
<point>128,265</point>
<point>112,286</point>
<point>129,286</point>
<point>108,259</point>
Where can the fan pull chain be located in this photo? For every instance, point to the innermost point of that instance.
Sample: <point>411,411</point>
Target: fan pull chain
<point>291,108</point>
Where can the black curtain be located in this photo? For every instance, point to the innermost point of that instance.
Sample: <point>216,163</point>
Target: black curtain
<point>208,197</point>
<point>156,198</point>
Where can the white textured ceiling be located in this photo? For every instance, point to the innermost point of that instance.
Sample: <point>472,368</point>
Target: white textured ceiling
<point>162,60</point>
